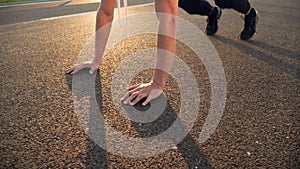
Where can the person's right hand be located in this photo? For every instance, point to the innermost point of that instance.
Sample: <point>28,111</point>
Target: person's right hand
<point>136,93</point>
<point>89,64</point>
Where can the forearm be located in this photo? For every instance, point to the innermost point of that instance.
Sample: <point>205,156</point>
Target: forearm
<point>165,55</point>
<point>103,26</point>
<point>166,40</point>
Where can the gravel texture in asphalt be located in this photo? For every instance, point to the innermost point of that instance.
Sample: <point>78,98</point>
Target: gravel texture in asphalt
<point>259,127</point>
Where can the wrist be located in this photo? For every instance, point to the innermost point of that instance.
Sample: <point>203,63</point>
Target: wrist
<point>96,62</point>
<point>159,79</point>
<point>157,84</point>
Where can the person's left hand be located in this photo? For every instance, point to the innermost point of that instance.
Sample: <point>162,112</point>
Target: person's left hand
<point>137,92</point>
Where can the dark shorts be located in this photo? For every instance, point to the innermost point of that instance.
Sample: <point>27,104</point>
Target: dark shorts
<point>202,7</point>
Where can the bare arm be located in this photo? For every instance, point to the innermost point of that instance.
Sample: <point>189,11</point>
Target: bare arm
<point>167,12</point>
<point>103,25</point>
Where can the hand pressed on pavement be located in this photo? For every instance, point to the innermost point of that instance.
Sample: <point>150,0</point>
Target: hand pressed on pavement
<point>137,92</point>
<point>89,64</point>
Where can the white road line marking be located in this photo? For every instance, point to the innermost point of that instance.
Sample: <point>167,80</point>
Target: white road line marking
<point>67,16</point>
<point>140,5</point>
<point>33,3</point>
<point>64,16</point>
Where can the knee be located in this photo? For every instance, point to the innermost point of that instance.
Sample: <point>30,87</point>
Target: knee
<point>196,7</point>
<point>186,6</point>
<point>220,3</point>
<point>188,10</point>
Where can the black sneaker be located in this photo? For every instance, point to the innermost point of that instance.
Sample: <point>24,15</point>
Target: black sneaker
<point>212,21</point>
<point>250,22</point>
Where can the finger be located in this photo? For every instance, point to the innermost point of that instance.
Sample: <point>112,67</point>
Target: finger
<point>128,94</point>
<point>133,87</point>
<point>78,68</point>
<point>146,101</point>
<point>153,94</point>
<point>136,100</point>
<point>138,88</point>
<point>131,97</point>
<point>71,69</point>
<point>75,71</point>
<point>125,96</point>
<point>93,69</point>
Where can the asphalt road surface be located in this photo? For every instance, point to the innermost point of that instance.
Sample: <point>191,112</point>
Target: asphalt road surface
<point>40,127</point>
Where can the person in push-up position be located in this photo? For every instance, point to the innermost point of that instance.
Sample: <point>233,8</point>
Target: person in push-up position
<point>166,12</point>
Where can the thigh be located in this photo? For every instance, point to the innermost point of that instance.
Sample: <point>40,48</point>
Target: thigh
<point>201,7</point>
<point>239,5</point>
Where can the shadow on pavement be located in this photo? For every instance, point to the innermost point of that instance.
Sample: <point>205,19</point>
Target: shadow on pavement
<point>285,67</point>
<point>276,49</point>
<point>96,156</point>
<point>188,147</point>
<point>272,5</point>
